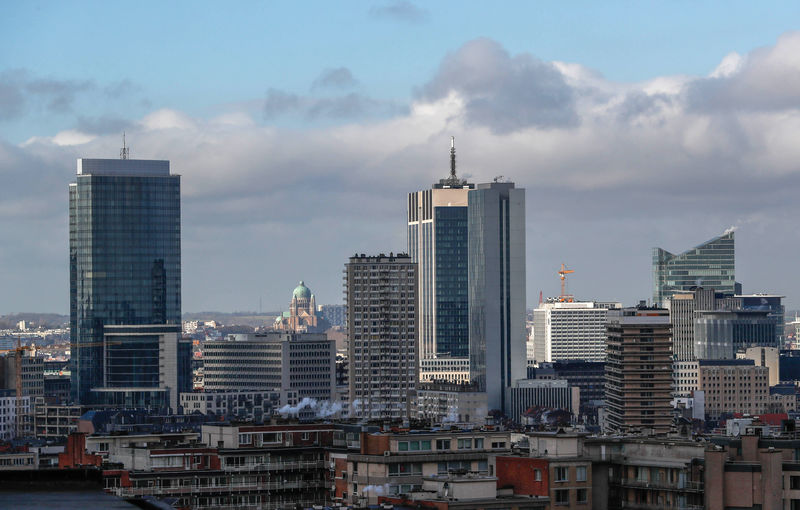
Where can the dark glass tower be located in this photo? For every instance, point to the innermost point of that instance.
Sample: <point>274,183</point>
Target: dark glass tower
<point>125,277</point>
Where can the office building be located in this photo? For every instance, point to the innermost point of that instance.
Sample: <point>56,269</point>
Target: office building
<point>764,357</point>
<point>31,376</point>
<point>450,404</point>
<point>639,370</point>
<point>382,328</point>
<point>733,386</point>
<point>549,394</point>
<point>771,303</point>
<point>570,331</point>
<point>437,243</point>
<point>125,283</point>
<point>301,364</point>
<point>497,289</point>
<point>720,334</point>
<point>682,307</point>
<point>709,265</point>
<point>334,314</point>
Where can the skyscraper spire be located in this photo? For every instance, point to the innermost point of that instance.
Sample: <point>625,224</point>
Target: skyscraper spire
<point>125,151</point>
<point>453,157</point>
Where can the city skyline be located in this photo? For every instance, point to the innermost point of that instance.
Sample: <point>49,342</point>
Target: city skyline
<point>661,152</point>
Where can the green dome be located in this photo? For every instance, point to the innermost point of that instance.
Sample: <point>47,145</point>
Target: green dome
<point>301,292</point>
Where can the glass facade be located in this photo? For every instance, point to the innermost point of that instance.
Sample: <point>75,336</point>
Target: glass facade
<point>125,268</point>
<point>709,265</point>
<point>720,334</point>
<point>452,326</point>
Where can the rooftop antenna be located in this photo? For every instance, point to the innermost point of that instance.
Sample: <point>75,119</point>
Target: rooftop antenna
<point>452,157</point>
<point>124,152</point>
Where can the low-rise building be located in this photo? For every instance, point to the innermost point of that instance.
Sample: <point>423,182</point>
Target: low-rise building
<point>451,403</point>
<point>240,405</point>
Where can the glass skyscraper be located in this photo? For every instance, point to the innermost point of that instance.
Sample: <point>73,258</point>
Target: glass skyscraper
<point>437,242</point>
<point>709,265</point>
<point>496,247</point>
<point>125,282</point>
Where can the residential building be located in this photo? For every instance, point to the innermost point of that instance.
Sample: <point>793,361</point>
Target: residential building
<point>56,421</point>
<point>710,265</point>
<point>393,463</point>
<point>639,370</point>
<point>125,283</point>
<point>464,492</point>
<point>496,226</point>
<point>444,368</point>
<point>437,243</point>
<point>570,330</point>
<point>302,363</point>
<point>684,378</point>
<point>682,307</point>
<point>548,464</point>
<point>733,386</point>
<point>382,332</point>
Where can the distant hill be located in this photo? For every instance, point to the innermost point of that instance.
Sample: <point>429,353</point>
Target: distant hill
<point>34,320</point>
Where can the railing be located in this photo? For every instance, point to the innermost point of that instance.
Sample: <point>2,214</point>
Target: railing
<point>663,484</point>
<point>652,506</point>
<point>270,466</point>
<point>188,490</point>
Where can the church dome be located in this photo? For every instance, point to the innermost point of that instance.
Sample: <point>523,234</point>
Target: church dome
<point>301,292</point>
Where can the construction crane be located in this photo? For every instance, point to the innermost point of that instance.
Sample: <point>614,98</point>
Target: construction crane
<point>18,350</point>
<point>562,273</point>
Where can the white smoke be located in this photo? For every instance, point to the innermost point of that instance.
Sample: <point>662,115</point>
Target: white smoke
<point>452,416</point>
<point>377,489</point>
<point>322,409</point>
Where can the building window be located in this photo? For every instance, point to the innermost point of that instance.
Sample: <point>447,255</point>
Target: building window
<point>465,444</point>
<point>794,483</point>
<point>580,474</point>
<point>582,495</point>
<point>498,445</point>
<point>479,443</point>
<point>562,496</point>
<point>562,474</point>
<point>537,475</point>
<point>442,444</point>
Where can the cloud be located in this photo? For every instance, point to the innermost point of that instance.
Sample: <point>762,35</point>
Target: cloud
<point>399,10</point>
<point>613,170</point>
<point>342,107</point>
<point>338,78</point>
<point>502,92</point>
<point>58,94</point>
<point>767,79</point>
<point>102,125</point>
<point>11,101</point>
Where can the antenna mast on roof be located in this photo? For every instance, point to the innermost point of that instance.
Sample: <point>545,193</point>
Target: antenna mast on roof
<point>124,152</point>
<point>453,157</point>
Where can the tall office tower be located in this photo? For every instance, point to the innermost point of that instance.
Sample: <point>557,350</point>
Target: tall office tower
<point>570,330</point>
<point>682,312</point>
<point>437,243</point>
<point>710,264</point>
<point>639,370</point>
<point>382,329</point>
<point>497,351</point>
<point>125,284</point>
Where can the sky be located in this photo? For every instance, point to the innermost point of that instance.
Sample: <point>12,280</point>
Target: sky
<point>299,128</point>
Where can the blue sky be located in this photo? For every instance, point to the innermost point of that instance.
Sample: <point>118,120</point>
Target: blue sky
<point>196,56</point>
<point>298,129</point>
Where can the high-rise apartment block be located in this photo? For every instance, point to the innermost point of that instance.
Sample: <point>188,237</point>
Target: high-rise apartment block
<point>497,337</point>
<point>437,243</point>
<point>710,265</point>
<point>639,370</point>
<point>570,330</point>
<point>125,284</point>
<point>302,365</point>
<point>382,329</point>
